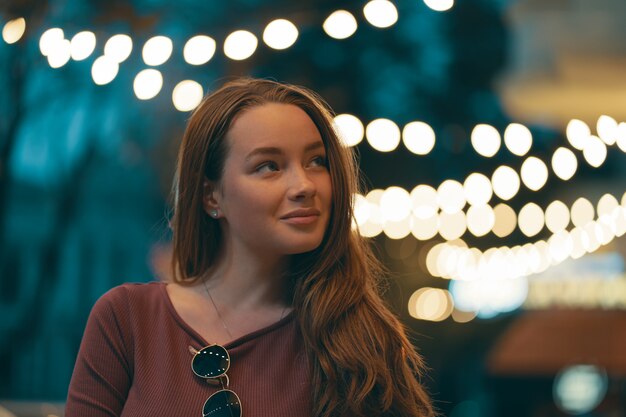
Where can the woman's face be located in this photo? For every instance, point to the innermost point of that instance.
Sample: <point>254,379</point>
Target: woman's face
<point>275,195</point>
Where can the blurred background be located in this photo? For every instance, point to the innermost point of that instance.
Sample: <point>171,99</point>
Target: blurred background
<point>490,134</point>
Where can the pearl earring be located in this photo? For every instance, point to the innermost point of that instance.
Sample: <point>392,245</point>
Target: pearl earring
<point>213,213</point>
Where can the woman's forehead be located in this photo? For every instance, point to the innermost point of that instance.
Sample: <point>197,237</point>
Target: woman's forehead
<point>272,125</point>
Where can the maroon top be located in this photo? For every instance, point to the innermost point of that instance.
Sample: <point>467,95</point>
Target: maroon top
<point>134,360</point>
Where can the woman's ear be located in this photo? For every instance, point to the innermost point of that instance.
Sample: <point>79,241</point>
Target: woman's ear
<point>210,200</point>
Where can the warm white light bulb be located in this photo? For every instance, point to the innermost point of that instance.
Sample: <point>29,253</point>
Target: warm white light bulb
<point>280,34</point>
<point>381,13</point>
<point>199,50</point>
<point>240,45</point>
<point>341,24</point>
<point>349,129</point>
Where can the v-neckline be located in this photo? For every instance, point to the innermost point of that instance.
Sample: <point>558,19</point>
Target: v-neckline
<point>233,343</point>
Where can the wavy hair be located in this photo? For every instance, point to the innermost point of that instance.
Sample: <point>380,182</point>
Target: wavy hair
<point>362,362</point>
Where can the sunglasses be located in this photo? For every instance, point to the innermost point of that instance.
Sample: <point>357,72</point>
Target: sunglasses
<point>212,362</point>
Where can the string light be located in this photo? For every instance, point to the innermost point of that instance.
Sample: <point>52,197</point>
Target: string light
<point>505,182</point>
<point>157,50</point>
<point>607,129</point>
<point>341,24</point>
<point>485,140</point>
<point>534,173</point>
<point>564,163</point>
<point>577,133</point>
<point>199,50</point>
<point>383,135</point>
<point>594,151</point>
<point>104,70</point>
<point>187,95</point>
<point>418,137</point>
<point>82,45</point>
<point>518,139</point>
<point>49,39</point>
<point>381,13</point>
<point>148,84</point>
<point>280,34</point>
<point>349,129</point>
<point>477,189</point>
<point>557,216</point>
<point>439,5</point>
<point>118,47</point>
<point>59,53</point>
<point>240,45</point>
<point>13,30</point>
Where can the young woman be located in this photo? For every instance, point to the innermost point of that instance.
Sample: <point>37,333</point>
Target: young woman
<point>275,300</point>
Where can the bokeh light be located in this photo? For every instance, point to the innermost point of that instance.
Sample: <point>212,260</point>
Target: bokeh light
<point>477,189</point>
<point>341,24</point>
<point>577,133</point>
<point>452,225</point>
<point>395,204</point>
<point>280,34</point>
<point>480,219</point>
<point>530,219</point>
<point>380,13</point>
<point>118,47</point>
<point>374,224</point>
<point>424,201</point>
<point>432,304</point>
<point>439,5</point>
<point>582,212</point>
<point>418,137</point>
<point>606,205</point>
<point>557,216</point>
<point>518,139</point>
<point>485,140</point>
<point>505,220</point>
<point>450,196</point>
<point>104,70</point>
<point>383,135</point>
<point>49,39</point>
<point>199,50</point>
<point>607,129</point>
<point>534,173</point>
<point>13,30</point>
<point>240,45</point>
<point>564,163</point>
<point>424,228</point>
<point>560,246</point>
<point>594,151</point>
<point>187,95</point>
<point>148,84</point>
<point>59,53</point>
<point>349,129</point>
<point>579,389</point>
<point>505,182</point>
<point>82,45</point>
<point>621,136</point>
<point>489,297</point>
<point>157,50</point>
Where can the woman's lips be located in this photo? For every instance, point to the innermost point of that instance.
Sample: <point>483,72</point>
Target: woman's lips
<point>302,216</point>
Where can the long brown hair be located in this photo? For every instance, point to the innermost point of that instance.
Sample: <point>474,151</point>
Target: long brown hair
<point>362,363</point>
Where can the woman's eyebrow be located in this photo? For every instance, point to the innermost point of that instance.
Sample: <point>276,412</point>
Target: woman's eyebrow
<point>271,150</point>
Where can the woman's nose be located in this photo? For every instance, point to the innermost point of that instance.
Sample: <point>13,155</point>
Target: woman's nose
<point>301,185</point>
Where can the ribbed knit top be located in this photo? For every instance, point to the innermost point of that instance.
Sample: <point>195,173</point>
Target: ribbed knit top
<point>134,360</point>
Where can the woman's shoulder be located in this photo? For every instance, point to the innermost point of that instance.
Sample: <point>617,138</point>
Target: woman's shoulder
<point>131,294</point>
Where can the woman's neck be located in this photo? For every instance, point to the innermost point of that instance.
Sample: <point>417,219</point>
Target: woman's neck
<point>248,282</point>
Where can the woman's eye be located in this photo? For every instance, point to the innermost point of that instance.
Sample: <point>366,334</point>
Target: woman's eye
<point>319,161</point>
<point>267,167</point>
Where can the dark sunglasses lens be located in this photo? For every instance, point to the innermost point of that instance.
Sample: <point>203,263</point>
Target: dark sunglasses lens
<point>223,403</point>
<point>211,362</point>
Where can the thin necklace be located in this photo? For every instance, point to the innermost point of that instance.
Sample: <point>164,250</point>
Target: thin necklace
<point>206,288</point>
